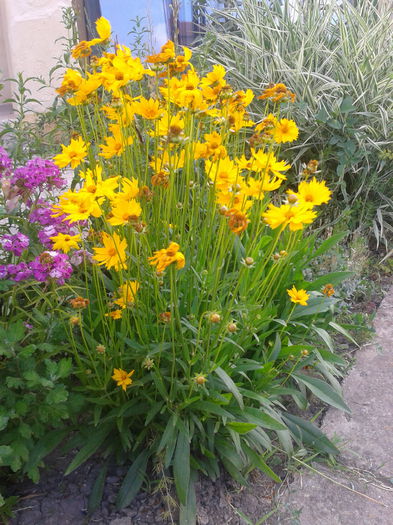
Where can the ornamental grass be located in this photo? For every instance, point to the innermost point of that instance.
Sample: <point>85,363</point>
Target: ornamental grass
<point>187,314</point>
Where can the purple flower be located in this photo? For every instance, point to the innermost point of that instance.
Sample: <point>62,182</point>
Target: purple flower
<point>3,271</point>
<point>42,214</point>
<point>17,272</point>
<point>79,256</point>
<point>45,267</point>
<point>16,243</point>
<point>51,265</point>
<point>38,173</point>
<point>5,162</point>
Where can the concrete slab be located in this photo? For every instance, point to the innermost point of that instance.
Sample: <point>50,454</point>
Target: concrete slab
<point>361,491</point>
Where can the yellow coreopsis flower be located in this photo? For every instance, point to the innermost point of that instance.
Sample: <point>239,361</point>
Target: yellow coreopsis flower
<point>72,154</point>
<point>113,254</point>
<point>285,131</point>
<point>127,294</point>
<point>124,212</point>
<point>298,296</point>
<point>223,173</point>
<point>294,216</point>
<point>278,93</point>
<point>77,206</point>
<point>103,27</point>
<point>85,89</point>
<point>163,258</point>
<point>65,242</point>
<point>116,144</point>
<point>268,163</point>
<point>312,193</point>
<point>148,109</point>
<point>238,221</point>
<point>122,378</point>
<point>170,125</point>
<point>71,82</point>
<point>167,53</point>
<point>94,183</point>
<point>115,314</point>
<point>181,62</point>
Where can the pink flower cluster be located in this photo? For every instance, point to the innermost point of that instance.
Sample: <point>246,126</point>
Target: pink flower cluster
<point>23,183</point>
<point>48,266</point>
<point>37,173</point>
<point>15,244</point>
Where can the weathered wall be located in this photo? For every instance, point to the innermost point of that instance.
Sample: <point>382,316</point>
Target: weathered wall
<point>30,29</point>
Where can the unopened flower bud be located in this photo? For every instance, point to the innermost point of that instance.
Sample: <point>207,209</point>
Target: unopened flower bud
<point>292,198</point>
<point>231,327</point>
<point>200,379</point>
<point>304,353</point>
<point>223,210</point>
<point>249,261</point>
<point>148,363</point>
<point>215,318</point>
<point>74,320</point>
<point>276,256</point>
<point>283,253</point>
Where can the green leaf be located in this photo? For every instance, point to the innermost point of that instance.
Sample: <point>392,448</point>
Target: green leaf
<point>212,408</point>
<point>133,480</point>
<point>343,331</point>
<point>188,511</point>
<point>169,432</point>
<point>181,465</point>
<point>94,441</point>
<point>327,355</point>
<point>240,427</point>
<point>323,391</point>
<point>347,106</point>
<point>3,422</point>
<point>44,446</point>
<point>333,278</point>
<point>228,382</point>
<point>308,433</point>
<point>64,367</point>
<point>316,305</point>
<point>254,415</point>
<point>322,115</point>
<point>323,334</point>
<point>329,243</point>
<point>6,453</point>
<point>15,332</point>
<point>233,471</point>
<point>58,395</point>
<point>276,348</point>
<point>97,490</point>
<point>259,463</point>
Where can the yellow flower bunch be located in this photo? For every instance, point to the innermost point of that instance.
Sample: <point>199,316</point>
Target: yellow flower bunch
<point>172,158</point>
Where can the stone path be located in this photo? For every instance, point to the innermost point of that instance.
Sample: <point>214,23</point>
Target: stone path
<point>359,490</point>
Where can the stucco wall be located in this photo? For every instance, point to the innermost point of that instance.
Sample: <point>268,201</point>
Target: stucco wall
<point>30,29</point>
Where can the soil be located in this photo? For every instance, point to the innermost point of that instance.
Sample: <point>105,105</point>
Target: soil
<point>57,500</point>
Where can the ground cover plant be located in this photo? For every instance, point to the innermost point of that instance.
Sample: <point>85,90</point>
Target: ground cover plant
<point>34,392</point>
<point>174,268</point>
<point>338,58</point>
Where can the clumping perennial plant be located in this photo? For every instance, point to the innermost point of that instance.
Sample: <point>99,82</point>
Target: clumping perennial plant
<point>188,316</point>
